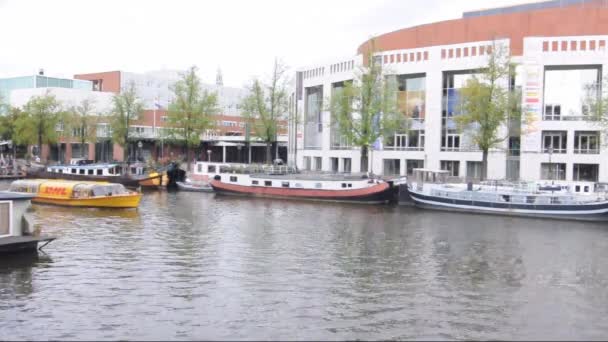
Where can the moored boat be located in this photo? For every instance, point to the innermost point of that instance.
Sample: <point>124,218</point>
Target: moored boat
<point>17,232</point>
<point>77,193</point>
<point>132,176</point>
<point>284,182</point>
<point>557,200</point>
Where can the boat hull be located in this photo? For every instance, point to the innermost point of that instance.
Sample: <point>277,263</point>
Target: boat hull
<point>587,212</point>
<point>118,201</point>
<point>379,193</point>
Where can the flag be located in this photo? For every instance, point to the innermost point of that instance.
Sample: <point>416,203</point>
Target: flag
<point>157,104</point>
<point>377,145</point>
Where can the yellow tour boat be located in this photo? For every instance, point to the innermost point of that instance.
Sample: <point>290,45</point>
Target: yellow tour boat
<point>78,193</point>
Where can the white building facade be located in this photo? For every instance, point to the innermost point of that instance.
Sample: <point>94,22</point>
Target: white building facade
<point>554,71</point>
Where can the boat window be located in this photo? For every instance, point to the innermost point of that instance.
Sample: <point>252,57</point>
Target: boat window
<point>133,170</point>
<point>318,185</point>
<point>233,178</point>
<point>81,171</point>
<point>73,170</point>
<point>60,170</point>
<point>586,188</point>
<point>555,200</point>
<point>506,198</point>
<point>344,185</point>
<point>530,199</point>
<point>90,172</point>
<point>285,184</point>
<point>199,168</point>
<point>211,169</point>
<point>99,172</point>
<point>298,185</point>
<point>577,188</point>
<point>254,182</point>
<point>268,183</point>
<point>224,169</point>
<point>350,185</point>
<point>5,223</point>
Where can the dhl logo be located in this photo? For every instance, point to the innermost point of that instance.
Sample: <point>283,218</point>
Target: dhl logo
<point>52,190</point>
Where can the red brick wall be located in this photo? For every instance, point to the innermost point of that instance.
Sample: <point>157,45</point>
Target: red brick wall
<point>110,80</point>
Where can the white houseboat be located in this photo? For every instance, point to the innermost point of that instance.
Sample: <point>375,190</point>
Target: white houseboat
<point>562,200</point>
<point>17,232</point>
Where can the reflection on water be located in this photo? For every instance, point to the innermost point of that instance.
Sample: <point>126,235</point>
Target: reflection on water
<point>203,266</point>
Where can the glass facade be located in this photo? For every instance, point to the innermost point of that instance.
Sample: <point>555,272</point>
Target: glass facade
<point>567,90</point>
<point>39,81</point>
<point>450,107</point>
<point>313,124</point>
<point>338,140</point>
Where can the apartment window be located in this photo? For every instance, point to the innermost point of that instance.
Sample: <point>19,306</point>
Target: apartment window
<point>553,171</point>
<point>318,163</point>
<point>452,166</point>
<point>553,112</point>
<point>412,164</point>
<point>413,140</point>
<point>392,167</point>
<point>586,172</point>
<point>346,162</point>
<point>307,163</point>
<point>554,141</point>
<point>334,164</point>
<point>473,170</point>
<point>450,141</point>
<point>586,142</point>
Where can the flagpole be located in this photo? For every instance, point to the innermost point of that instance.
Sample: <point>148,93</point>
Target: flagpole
<point>154,122</point>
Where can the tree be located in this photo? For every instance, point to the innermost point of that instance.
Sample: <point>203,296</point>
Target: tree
<point>266,106</point>
<point>127,108</point>
<point>365,110</point>
<point>190,114</point>
<point>38,124</point>
<point>488,104</point>
<point>8,125</point>
<point>83,123</point>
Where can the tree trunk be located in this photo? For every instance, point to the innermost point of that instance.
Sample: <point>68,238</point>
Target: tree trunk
<point>187,157</point>
<point>484,164</point>
<point>364,159</point>
<point>268,153</point>
<point>40,145</point>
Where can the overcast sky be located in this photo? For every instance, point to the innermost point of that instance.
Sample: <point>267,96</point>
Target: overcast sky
<point>67,37</point>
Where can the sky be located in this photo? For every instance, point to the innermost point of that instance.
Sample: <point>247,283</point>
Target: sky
<point>241,37</point>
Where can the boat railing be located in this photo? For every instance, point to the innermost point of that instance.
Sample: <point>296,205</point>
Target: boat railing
<point>258,169</point>
<point>518,198</point>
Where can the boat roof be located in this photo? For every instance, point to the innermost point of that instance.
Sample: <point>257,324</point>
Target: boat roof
<point>59,182</point>
<point>432,170</point>
<point>312,176</point>
<point>87,166</point>
<point>12,196</point>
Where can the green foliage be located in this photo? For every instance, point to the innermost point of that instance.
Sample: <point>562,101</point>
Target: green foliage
<point>267,105</point>
<point>488,104</point>
<point>127,108</point>
<point>38,122</point>
<point>192,111</point>
<point>366,109</point>
<point>8,123</point>
<point>81,123</point>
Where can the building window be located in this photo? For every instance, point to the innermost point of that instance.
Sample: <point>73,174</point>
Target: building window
<point>450,141</point>
<point>567,90</point>
<point>334,164</point>
<point>307,164</point>
<point>586,142</point>
<point>554,141</point>
<point>318,163</point>
<point>586,172</point>
<point>346,165</point>
<point>313,123</point>
<point>452,166</point>
<point>413,140</point>
<point>473,170</point>
<point>553,171</point>
<point>392,167</point>
<point>412,164</point>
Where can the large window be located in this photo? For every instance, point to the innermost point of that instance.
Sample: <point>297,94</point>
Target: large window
<point>346,164</point>
<point>587,142</point>
<point>586,172</point>
<point>334,164</point>
<point>313,123</point>
<point>318,163</point>
<point>452,166</point>
<point>392,167</point>
<point>451,106</point>
<point>554,141</point>
<point>567,90</point>
<point>412,140</point>
<point>553,171</point>
<point>307,163</point>
<point>337,140</point>
<point>411,96</point>
<point>473,170</point>
<point>412,164</point>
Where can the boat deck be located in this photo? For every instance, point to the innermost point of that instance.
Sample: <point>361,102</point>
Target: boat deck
<point>21,243</point>
<point>312,176</point>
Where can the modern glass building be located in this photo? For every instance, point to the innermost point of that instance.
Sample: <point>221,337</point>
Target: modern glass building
<point>40,81</point>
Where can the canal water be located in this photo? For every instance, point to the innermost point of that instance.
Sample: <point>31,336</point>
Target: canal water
<point>204,266</point>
